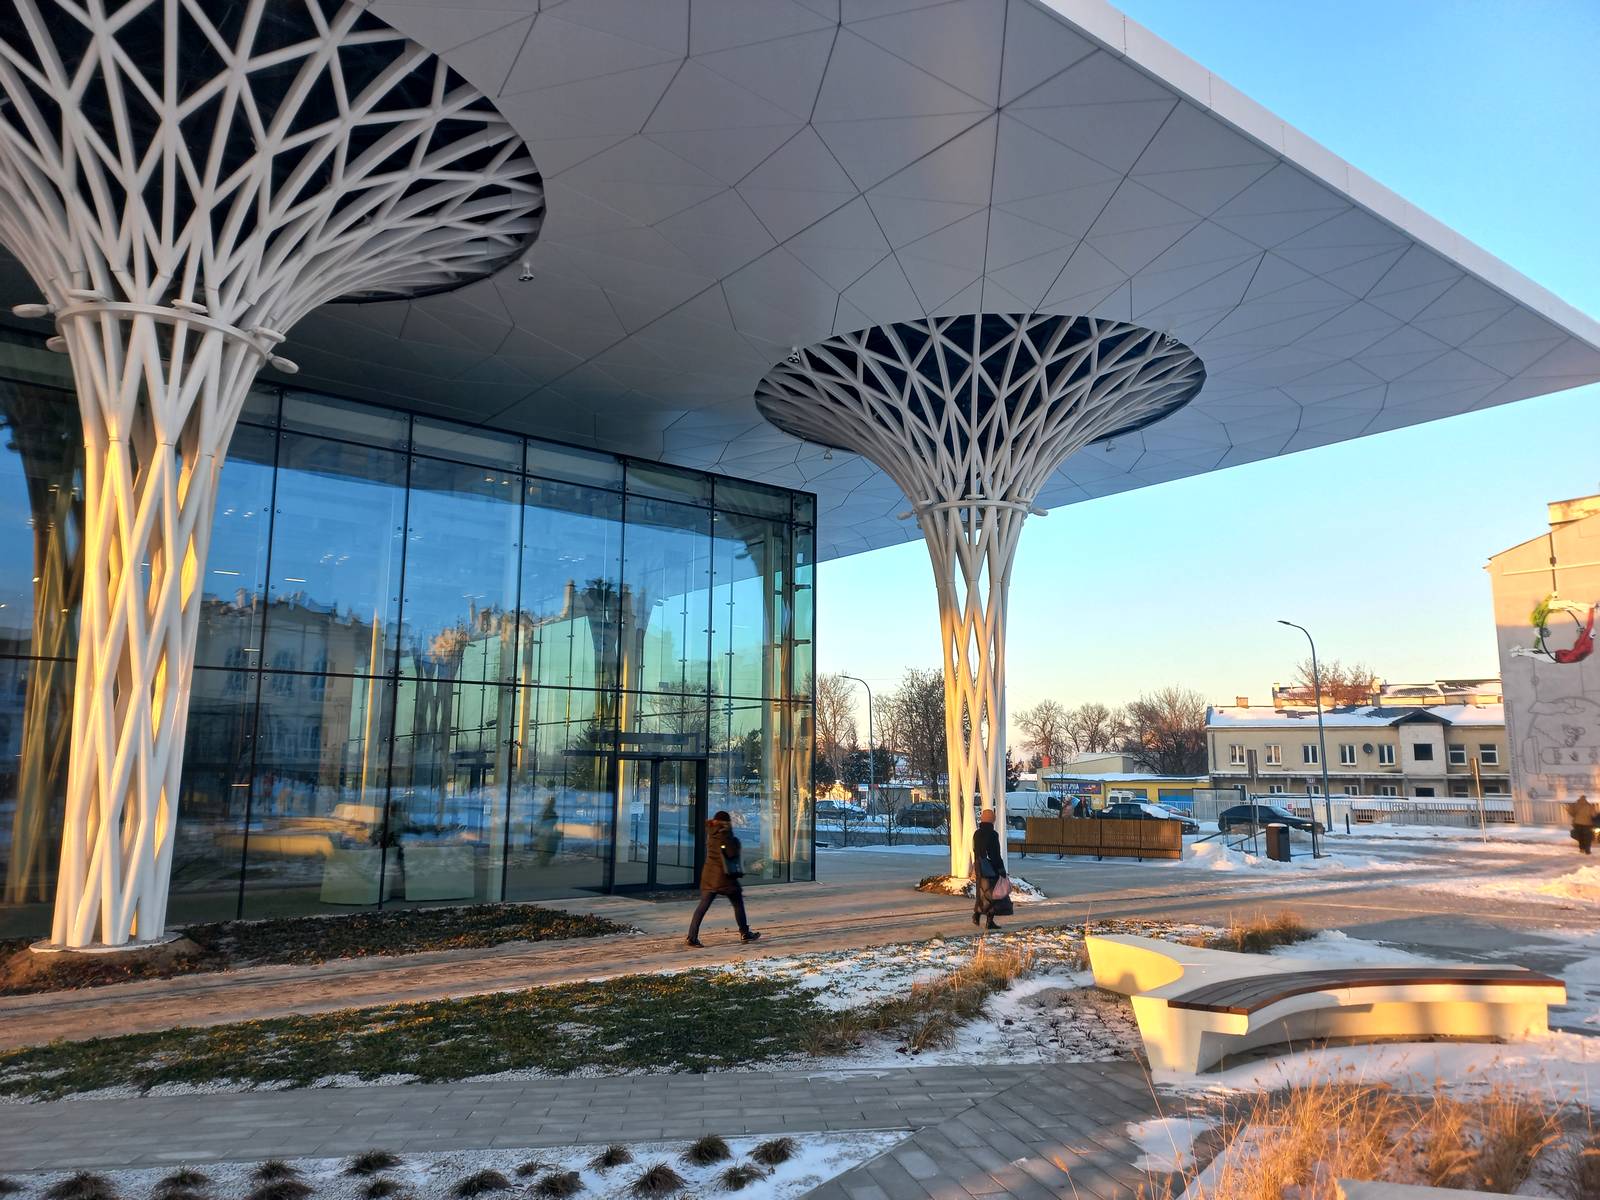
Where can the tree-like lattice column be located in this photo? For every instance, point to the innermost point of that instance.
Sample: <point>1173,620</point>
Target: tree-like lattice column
<point>185,180</point>
<point>970,416</point>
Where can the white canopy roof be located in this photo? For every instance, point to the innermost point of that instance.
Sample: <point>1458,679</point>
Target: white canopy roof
<point>727,179</point>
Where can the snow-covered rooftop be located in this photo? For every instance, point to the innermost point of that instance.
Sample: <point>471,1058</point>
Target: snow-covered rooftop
<point>1360,716</point>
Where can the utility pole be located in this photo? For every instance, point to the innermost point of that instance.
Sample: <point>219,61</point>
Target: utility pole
<point>1322,737</point>
<point>872,773</point>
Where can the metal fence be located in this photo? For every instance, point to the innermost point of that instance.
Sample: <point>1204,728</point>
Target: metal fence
<point>1453,812</point>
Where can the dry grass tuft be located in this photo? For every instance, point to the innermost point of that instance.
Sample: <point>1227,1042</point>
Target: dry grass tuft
<point>381,1188</point>
<point>611,1156</point>
<point>284,1188</point>
<point>774,1151</point>
<point>740,1176</point>
<point>1514,1129</point>
<point>273,1169</point>
<point>558,1185</point>
<point>480,1183</point>
<point>84,1185</point>
<point>1581,1179</point>
<point>184,1179</point>
<point>1260,935</point>
<point>658,1179</point>
<point>9,1187</point>
<point>707,1150</point>
<point>530,1168</point>
<point>371,1162</point>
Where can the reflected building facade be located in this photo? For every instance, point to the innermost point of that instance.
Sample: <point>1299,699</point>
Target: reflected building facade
<point>436,663</point>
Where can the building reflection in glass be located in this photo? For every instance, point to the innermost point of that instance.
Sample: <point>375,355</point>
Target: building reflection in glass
<point>436,664</point>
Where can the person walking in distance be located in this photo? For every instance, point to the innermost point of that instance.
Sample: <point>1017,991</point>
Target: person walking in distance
<point>1582,814</point>
<point>989,867</point>
<point>720,877</point>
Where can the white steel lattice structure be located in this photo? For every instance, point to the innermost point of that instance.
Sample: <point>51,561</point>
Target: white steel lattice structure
<point>970,416</point>
<point>184,181</point>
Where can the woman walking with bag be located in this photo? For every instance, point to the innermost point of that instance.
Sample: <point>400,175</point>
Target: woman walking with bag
<point>990,868</point>
<point>720,877</point>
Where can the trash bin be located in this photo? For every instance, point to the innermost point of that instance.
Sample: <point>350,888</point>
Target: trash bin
<point>1278,842</point>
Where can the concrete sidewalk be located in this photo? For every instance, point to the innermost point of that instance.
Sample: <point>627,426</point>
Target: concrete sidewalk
<point>1027,1131</point>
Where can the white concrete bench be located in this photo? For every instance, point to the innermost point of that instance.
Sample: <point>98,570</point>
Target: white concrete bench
<point>1195,1005</point>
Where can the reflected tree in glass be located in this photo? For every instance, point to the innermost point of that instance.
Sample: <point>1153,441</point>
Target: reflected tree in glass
<point>44,433</point>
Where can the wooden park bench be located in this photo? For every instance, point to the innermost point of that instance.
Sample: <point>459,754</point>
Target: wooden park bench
<point>1103,837</point>
<point>1195,1005</point>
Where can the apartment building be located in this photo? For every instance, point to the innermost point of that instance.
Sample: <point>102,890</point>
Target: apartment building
<point>1373,750</point>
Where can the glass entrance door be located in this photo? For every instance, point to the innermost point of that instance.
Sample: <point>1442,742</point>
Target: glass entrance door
<point>660,818</point>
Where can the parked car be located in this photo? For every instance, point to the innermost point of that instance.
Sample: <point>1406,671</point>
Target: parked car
<point>836,810</point>
<point>924,814</point>
<point>1138,810</point>
<point>1022,805</point>
<point>1245,816</point>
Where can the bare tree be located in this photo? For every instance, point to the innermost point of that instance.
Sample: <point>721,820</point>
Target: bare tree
<point>914,713</point>
<point>1341,684</point>
<point>1046,731</point>
<point>1167,731</point>
<point>835,724</point>
<point>1096,729</point>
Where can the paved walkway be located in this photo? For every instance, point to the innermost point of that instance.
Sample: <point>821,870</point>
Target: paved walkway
<point>872,904</point>
<point>1027,1131</point>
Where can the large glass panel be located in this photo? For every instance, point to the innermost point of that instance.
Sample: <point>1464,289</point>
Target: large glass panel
<point>550,461</point>
<point>35,720</point>
<point>348,420</point>
<point>236,564</point>
<point>41,519</point>
<point>447,794</point>
<point>738,495</point>
<point>802,819</point>
<point>260,407</point>
<point>316,828</point>
<point>572,596</point>
<point>461,572</point>
<point>561,793</point>
<point>214,796</point>
<point>336,546</point>
<point>466,443</point>
<point>750,561</point>
<point>668,483</point>
<point>746,779</point>
<point>666,610</point>
<point>802,658</point>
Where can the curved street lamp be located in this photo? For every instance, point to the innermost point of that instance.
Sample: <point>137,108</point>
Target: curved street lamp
<point>1322,738</point>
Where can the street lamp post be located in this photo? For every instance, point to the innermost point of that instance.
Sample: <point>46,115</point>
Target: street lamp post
<point>1322,737</point>
<point>872,775</point>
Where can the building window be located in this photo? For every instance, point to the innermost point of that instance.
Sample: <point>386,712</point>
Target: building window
<point>1313,789</point>
<point>1457,754</point>
<point>1308,753</point>
<point>1275,789</point>
<point>1422,752</point>
<point>1236,755</point>
<point>1274,755</point>
<point>1347,754</point>
<point>1489,754</point>
<point>1424,791</point>
<point>1494,789</point>
<point>1385,757</point>
<point>1388,789</point>
<point>1352,789</point>
<point>1458,791</point>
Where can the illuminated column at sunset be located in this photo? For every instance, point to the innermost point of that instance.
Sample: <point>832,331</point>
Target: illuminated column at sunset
<point>184,181</point>
<point>970,416</point>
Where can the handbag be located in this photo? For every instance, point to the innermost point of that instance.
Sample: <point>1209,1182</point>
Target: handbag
<point>732,865</point>
<point>986,869</point>
<point>1002,888</point>
<point>1001,908</point>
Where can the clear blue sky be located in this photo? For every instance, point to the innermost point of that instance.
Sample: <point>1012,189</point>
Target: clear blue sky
<point>1484,113</point>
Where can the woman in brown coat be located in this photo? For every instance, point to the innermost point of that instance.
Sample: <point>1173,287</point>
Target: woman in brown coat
<point>720,877</point>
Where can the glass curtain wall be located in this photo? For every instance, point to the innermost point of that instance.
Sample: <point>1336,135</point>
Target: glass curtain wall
<point>436,663</point>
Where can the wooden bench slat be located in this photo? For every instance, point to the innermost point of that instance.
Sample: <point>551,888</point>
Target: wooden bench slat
<point>1241,997</point>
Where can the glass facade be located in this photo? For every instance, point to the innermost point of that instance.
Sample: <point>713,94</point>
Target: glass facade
<point>436,663</point>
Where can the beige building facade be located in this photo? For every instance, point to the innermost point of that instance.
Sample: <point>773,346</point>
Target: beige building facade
<point>1545,595</point>
<point>1426,752</point>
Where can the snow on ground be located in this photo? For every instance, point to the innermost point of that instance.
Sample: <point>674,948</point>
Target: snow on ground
<point>1573,889</point>
<point>1217,856</point>
<point>1563,1067</point>
<point>1335,948</point>
<point>818,1158</point>
<point>1167,1143</point>
<point>1520,836</point>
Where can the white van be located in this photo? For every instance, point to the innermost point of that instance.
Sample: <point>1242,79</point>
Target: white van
<point>1021,805</point>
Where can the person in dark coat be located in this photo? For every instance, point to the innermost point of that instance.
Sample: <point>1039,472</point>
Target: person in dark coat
<point>1582,814</point>
<point>720,877</point>
<point>988,866</point>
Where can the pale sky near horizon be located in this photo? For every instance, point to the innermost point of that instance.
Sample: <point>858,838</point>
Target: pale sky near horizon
<point>1484,115</point>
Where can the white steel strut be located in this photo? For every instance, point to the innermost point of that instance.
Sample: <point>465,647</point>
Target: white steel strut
<point>185,180</point>
<point>970,416</point>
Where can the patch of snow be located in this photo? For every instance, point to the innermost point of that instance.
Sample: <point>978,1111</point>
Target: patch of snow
<point>1563,1067</point>
<point>1496,836</point>
<point>1573,889</point>
<point>819,1157</point>
<point>1335,947</point>
<point>1217,856</point>
<point>1167,1143</point>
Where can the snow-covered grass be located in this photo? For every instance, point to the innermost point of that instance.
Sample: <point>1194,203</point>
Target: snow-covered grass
<point>818,1157</point>
<point>1217,856</point>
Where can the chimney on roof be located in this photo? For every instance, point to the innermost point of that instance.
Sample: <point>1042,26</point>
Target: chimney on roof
<point>1241,701</point>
